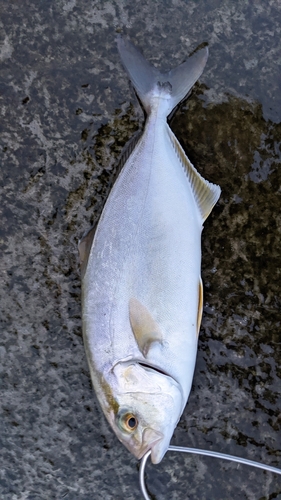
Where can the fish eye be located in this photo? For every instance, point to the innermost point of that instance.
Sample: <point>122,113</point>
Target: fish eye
<point>131,422</point>
<point>128,422</point>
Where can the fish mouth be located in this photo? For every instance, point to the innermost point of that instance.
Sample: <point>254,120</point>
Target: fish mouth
<point>149,440</point>
<point>158,450</point>
<point>156,442</point>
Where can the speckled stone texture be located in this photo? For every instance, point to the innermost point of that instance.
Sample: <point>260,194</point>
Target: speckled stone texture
<point>67,110</point>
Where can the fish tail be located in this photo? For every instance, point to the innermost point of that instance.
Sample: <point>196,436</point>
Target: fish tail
<point>150,82</point>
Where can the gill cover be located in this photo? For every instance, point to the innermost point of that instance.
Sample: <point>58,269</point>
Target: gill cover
<point>150,404</point>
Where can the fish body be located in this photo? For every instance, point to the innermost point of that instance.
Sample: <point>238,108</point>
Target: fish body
<point>141,289</point>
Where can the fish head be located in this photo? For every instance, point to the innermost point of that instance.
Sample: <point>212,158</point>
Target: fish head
<point>147,405</point>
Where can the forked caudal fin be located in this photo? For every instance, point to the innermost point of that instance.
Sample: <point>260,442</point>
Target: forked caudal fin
<point>149,81</point>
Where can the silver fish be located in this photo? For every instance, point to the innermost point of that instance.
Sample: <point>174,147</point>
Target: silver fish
<point>142,292</point>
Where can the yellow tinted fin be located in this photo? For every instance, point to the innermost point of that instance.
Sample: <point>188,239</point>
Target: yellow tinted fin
<point>145,329</point>
<point>84,247</point>
<point>206,194</point>
<point>200,306</point>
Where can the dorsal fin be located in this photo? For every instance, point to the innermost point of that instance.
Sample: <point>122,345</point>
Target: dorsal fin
<point>145,328</point>
<point>206,194</point>
<point>127,151</point>
<point>85,244</point>
<point>84,247</point>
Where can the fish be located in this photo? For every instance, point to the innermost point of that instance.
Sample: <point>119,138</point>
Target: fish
<point>142,293</point>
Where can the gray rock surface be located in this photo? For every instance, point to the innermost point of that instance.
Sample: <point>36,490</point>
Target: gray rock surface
<point>67,110</point>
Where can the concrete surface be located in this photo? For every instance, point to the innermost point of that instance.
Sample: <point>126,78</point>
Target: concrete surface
<point>67,110</point>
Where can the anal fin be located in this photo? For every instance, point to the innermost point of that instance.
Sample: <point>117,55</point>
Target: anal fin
<point>206,194</point>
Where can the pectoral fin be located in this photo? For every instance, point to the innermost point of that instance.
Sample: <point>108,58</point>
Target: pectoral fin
<point>200,306</point>
<point>145,328</point>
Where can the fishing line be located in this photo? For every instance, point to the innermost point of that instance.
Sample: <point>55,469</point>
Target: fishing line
<point>207,453</point>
